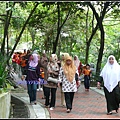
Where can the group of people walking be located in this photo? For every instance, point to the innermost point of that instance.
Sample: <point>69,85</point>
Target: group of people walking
<point>63,70</point>
<point>67,71</point>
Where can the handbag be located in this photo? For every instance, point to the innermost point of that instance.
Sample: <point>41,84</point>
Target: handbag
<point>51,79</point>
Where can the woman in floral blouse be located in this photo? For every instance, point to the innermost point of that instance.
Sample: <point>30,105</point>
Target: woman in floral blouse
<point>51,87</point>
<point>68,80</point>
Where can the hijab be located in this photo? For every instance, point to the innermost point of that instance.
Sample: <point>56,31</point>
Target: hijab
<point>53,63</point>
<point>65,55</point>
<point>77,61</point>
<point>44,60</point>
<point>34,62</point>
<point>111,74</point>
<point>69,70</point>
<point>54,58</point>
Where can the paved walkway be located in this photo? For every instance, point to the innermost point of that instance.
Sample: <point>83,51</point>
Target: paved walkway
<point>35,111</point>
<point>86,105</point>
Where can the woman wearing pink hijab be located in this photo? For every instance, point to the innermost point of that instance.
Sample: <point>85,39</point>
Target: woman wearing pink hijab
<point>32,77</point>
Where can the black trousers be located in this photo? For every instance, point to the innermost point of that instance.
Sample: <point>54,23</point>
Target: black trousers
<point>69,99</point>
<point>86,82</point>
<point>50,92</point>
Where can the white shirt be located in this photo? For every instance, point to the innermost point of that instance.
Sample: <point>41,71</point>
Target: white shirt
<point>66,85</point>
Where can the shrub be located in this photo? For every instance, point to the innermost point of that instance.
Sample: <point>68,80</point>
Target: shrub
<point>3,71</point>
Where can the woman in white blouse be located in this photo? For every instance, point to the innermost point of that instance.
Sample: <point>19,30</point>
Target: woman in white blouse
<point>67,77</point>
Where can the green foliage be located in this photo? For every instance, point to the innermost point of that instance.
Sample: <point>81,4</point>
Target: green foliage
<point>44,22</point>
<point>19,18</point>
<point>3,72</point>
<point>2,90</point>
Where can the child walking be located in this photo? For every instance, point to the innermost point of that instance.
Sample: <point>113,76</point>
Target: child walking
<point>87,75</point>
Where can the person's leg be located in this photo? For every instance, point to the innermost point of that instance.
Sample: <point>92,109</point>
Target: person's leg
<point>53,97</point>
<point>85,82</point>
<point>117,96</point>
<point>38,86</point>
<point>71,98</point>
<point>68,100</point>
<point>34,91</point>
<point>62,97</point>
<point>29,90</point>
<point>47,95</point>
<point>43,92</point>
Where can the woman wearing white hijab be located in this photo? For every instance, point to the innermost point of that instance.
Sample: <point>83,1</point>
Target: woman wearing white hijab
<point>111,77</point>
<point>76,61</point>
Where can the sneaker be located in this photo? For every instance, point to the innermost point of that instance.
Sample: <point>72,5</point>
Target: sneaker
<point>51,108</point>
<point>37,89</point>
<point>68,110</point>
<point>41,89</point>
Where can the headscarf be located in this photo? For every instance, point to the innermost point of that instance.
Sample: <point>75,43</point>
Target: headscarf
<point>63,61</point>
<point>53,65</point>
<point>34,62</point>
<point>54,58</point>
<point>77,61</point>
<point>44,58</point>
<point>111,74</point>
<point>69,70</point>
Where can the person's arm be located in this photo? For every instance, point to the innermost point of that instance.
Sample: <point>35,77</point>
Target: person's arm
<point>90,73</point>
<point>78,82</point>
<point>76,77</point>
<point>99,81</point>
<point>60,76</point>
<point>25,72</point>
<point>38,71</point>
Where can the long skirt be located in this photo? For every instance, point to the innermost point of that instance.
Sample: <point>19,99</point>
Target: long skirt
<point>112,98</point>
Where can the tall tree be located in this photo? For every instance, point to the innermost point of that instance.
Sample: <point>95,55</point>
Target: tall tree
<point>102,32</point>
<point>6,25</point>
<point>18,38</point>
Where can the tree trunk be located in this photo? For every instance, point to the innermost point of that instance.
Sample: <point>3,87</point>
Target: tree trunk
<point>17,40</point>
<point>59,28</point>
<point>5,31</point>
<point>99,23</point>
<point>98,67</point>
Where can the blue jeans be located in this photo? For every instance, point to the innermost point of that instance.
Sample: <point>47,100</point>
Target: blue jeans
<point>32,91</point>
